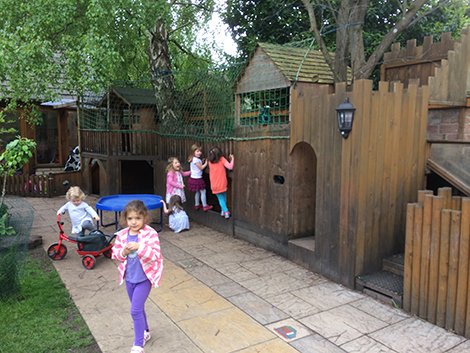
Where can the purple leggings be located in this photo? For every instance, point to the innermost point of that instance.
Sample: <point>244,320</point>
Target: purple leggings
<point>138,294</point>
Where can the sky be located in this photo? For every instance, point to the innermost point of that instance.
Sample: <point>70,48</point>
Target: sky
<point>222,36</point>
<point>219,31</point>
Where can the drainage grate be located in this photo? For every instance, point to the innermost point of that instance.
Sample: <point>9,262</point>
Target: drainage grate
<point>383,281</point>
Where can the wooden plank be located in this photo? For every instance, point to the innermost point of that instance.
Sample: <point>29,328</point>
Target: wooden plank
<point>395,234</point>
<point>408,270</point>
<point>366,121</point>
<point>443,268</point>
<point>456,203</point>
<point>453,269</point>
<point>434,258</point>
<point>403,198</point>
<point>425,256</point>
<point>464,253</point>
<point>385,244</point>
<point>333,147</point>
<point>371,177</point>
<point>422,113</point>
<point>459,184</point>
<point>446,194</point>
<point>417,237</point>
<point>374,249</point>
<point>422,195</point>
<point>414,145</point>
<point>408,141</point>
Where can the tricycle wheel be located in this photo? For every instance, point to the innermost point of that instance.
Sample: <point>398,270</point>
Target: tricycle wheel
<point>107,253</point>
<point>56,251</point>
<point>88,261</point>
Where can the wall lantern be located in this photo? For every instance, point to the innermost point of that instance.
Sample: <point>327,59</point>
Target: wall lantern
<point>345,113</point>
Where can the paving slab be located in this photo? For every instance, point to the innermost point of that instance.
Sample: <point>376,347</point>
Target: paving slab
<point>223,295</point>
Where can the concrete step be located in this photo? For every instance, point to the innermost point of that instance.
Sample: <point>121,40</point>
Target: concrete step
<point>394,264</point>
<point>382,285</point>
<point>301,251</point>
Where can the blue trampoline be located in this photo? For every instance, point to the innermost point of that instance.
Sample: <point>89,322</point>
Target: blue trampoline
<point>117,203</point>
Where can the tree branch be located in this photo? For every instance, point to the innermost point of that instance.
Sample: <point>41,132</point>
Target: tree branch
<point>333,13</point>
<point>188,52</point>
<point>444,3</point>
<point>387,40</point>
<point>318,38</point>
<point>179,27</point>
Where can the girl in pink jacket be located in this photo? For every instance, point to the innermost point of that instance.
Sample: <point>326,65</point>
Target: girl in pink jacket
<point>137,247</point>
<point>174,179</point>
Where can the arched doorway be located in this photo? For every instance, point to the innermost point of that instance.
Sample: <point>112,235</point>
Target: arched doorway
<point>304,177</point>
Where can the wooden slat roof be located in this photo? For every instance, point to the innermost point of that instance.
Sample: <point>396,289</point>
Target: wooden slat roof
<point>300,64</point>
<point>136,95</point>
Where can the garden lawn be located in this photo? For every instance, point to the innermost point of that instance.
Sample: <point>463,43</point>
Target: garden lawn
<point>43,318</point>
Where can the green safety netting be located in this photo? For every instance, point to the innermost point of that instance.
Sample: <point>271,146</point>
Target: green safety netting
<point>243,101</point>
<point>14,247</point>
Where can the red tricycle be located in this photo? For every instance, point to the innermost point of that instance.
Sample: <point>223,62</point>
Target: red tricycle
<point>90,246</point>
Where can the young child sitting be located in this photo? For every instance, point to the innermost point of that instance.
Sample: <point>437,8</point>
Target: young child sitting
<point>178,218</point>
<point>81,214</point>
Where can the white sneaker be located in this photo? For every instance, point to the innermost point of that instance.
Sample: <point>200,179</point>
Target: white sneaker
<point>222,213</point>
<point>137,349</point>
<point>147,336</point>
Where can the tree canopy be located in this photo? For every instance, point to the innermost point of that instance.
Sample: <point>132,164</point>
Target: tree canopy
<point>357,31</point>
<point>73,45</point>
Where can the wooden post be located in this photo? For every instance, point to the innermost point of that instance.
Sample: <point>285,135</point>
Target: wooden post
<point>422,194</point>
<point>462,286</point>
<point>453,269</point>
<point>425,256</point>
<point>446,193</point>
<point>443,268</point>
<point>434,258</point>
<point>417,237</point>
<point>456,203</point>
<point>410,208</point>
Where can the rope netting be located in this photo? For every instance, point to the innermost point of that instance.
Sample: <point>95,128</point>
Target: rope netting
<point>243,101</point>
<point>14,247</point>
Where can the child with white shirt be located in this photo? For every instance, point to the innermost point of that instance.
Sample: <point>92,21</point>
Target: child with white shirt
<point>81,214</point>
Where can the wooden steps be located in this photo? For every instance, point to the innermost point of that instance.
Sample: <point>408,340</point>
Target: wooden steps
<point>301,251</point>
<point>385,285</point>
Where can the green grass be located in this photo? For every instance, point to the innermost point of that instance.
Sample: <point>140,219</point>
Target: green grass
<point>43,318</point>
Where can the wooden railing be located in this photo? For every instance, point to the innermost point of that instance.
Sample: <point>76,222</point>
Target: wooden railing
<point>436,278</point>
<point>119,143</point>
<point>41,185</point>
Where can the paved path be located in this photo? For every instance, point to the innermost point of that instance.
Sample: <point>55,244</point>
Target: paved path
<point>220,294</point>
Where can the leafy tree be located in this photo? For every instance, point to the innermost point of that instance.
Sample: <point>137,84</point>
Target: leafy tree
<point>357,31</point>
<point>73,45</point>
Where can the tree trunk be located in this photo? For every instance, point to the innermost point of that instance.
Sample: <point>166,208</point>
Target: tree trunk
<point>163,81</point>
<point>342,42</point>
<point>358,14</point>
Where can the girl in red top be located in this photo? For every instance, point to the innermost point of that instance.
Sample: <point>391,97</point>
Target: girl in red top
<point>218,177</point>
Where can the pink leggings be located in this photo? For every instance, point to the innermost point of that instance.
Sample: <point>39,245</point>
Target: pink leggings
<point>138,294</point>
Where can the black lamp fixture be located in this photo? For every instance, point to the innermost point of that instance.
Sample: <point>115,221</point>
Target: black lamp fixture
<point>345,113</point>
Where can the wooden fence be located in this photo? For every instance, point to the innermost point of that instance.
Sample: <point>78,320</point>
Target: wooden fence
<point>41,185</point>
<point>363,182</point>
<point>436,278</point>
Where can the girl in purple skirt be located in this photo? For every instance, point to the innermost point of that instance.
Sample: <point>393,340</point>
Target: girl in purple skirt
<point>196,182</point>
